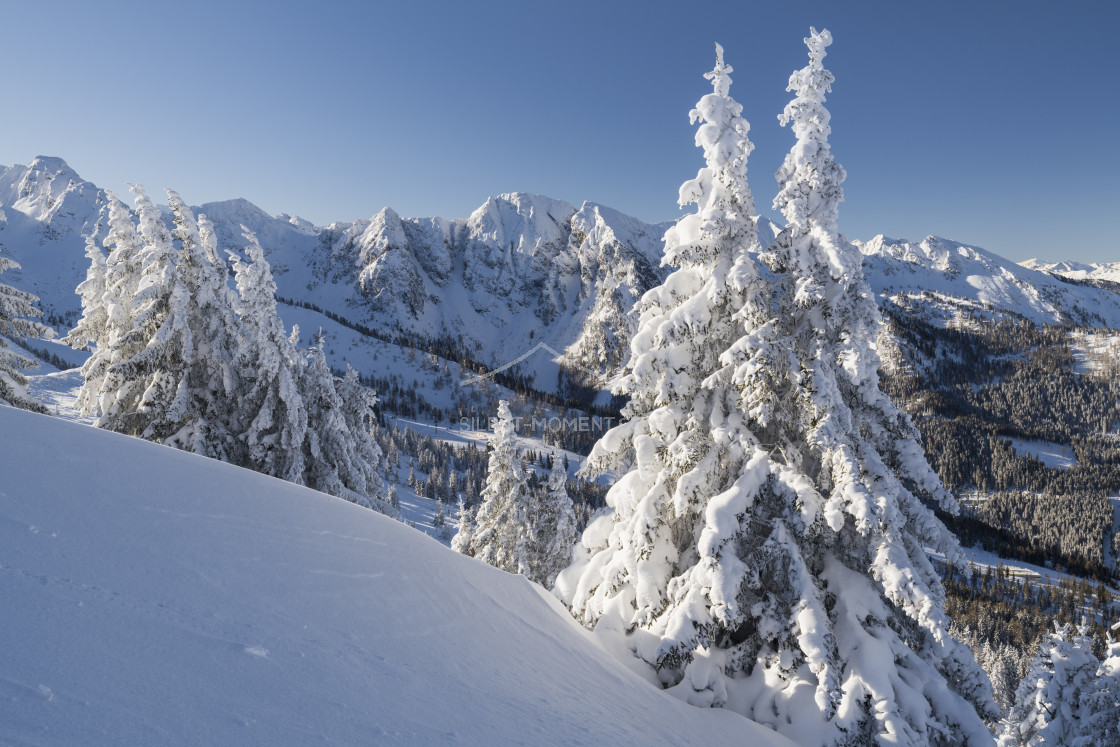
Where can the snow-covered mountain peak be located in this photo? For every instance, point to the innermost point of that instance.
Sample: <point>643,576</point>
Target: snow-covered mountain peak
<point>46,211</point>
<point>45,188</point>
<point>968,277</point>
<point>1106,271</point>
<point>386,216</point>
<point>600,226</point>
<point>384,232</point>
<point>528,203</point>
<point>521,221</point>
<point>300,224</point>
<point>54,166</point>
<point>237,210</point>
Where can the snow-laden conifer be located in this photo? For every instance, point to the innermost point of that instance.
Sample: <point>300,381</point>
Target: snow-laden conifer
<point>92,328</point>
<point>358,411</point>
<point>861,453</point>
<point>108,308</point>
<point>138,274</point>
<point>326,424</point>
<point>161,366</point>
<point>1100,706</point>
<point>173,377</point>
<point>1048,704</point>
<point>999,661</point>
<point>503,534</point>
<point>762,548</point>
<point>340,456</point>
<point>655,562</point>
<point>270,417</point>
<point>554,527</point>
<point>461,542</point>
<point>18,312</point>
<point>212,377</point>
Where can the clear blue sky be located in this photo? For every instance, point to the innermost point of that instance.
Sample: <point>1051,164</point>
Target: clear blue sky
<point>994,123</point>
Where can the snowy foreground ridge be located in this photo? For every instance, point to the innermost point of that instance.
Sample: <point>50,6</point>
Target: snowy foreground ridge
<point>149,596</point>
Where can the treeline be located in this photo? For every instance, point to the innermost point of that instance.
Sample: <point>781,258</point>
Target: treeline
<point>472,407</point>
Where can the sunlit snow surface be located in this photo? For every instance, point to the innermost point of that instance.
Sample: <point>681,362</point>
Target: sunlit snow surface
<point>1056,456</point>
<point>154,597</point>
<point>59,391</point>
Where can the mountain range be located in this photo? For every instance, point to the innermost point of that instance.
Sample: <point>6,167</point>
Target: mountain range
<point>1094,271</point>
<point>521,270</point>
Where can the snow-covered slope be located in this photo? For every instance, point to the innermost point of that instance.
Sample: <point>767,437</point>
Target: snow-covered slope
<point>155,597</point>
<point>952,276</point>
<point>1107,271</point>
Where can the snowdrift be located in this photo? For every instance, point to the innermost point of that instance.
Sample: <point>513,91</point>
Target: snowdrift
<point>154,597</point>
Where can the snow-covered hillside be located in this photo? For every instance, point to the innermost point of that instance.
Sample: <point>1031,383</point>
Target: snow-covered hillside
<point>1107,271</point>
<point>154,597</point>
<point>951,275</point>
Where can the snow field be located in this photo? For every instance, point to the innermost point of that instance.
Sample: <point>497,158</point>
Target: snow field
<point>153,596</point>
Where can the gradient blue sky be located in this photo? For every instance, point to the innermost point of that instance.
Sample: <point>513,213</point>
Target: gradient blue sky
<point>994,123</point>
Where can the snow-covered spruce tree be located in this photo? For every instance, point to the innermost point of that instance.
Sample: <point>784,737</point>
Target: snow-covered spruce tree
<point>763,549</point>
<point>554,528</point>
<point>641,567</point>
<point>125,385</point>
<point>270,417</point>
<point>340,456</point>
<point>213,377</point>
<point>108,309</point>
<point>1100,706</point>
<point>461,542</point>
<point>91,330</point>
<point>1048,703</point>
<point>17,314</point>
<point>503,534</point>
<point>163,367</point>
<point>358,403</point>
<point>861,452</point>
<point>999,661</point>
